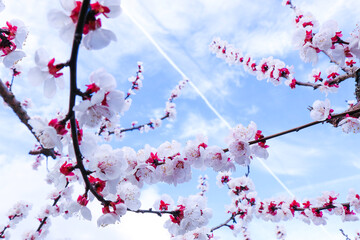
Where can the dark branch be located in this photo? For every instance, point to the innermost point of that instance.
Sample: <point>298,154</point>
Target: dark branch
<point>296,209</point>
<point>159,213</point>
<point>21,113</point>
<point>334,120</point>
<point>232,218</point>
<point>73,93</point>
<point>43,221</point>
<point>351,73</point>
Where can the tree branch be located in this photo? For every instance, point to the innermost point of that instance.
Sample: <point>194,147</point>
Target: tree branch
<point>296,129</point>
<point>159,213</point>
<point>297,209</point>
<point>43,221</point>
<point>232,218</point>
<point>21,113</point>
<point>334,120</point>
<point>351,73</point>
<point>73,93</point>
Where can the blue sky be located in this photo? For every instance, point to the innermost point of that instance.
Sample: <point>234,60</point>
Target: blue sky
<point>308,162</point>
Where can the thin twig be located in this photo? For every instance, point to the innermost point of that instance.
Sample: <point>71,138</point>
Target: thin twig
<point>232,218</point>
<point>351,73</point>
<point>297,209</point>
<point>159,213</point>
<point>344,234</point>
<point>296,129</point>
<point>43,221</point>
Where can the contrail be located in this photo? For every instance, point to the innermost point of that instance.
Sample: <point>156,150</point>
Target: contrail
<point>171,62</point>
<point>161,51</point>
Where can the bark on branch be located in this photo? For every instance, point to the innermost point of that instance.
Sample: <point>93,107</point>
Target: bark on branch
<point>15,105</point>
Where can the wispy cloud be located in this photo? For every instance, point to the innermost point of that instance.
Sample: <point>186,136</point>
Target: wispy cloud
<point>196,124</point>
<point>291,159</point>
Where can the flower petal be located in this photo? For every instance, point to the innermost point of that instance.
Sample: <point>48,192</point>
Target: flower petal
<point>58,19</point>
<point>68,5</point>
<point>41,57</point>
<point>36,76</point>
<point>49,87</point>
<point>98,39</point>
<point>12,58</point>
<point>86,213</point>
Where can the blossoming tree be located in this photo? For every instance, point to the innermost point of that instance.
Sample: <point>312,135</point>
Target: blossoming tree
<point>79,138</point>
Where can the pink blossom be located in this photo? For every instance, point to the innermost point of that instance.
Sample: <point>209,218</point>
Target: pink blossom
<point>190,214</point>
<point>350,124</point>
<point>11,41</point>
<point>46,73</point>
<point>101,100</point>
<point>67,169</point>
<point>95,36</point>
<point>164,203</point>
<point>320,110</point>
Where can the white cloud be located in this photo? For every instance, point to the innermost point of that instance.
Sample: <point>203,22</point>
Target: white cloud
<point>253,109</point>
<point>195,124</point>
<point>328,185</point>
<point>184,29</point>
<point>290,158</point>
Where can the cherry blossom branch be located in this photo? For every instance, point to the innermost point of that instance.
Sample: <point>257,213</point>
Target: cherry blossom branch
<point>159,213</point>
<point>170,112</point>
<point>274,70</point>
<point>332,60</point>
<point>351,73</point>
<point>21,113</point>
<point>2,233</point>
<point>138,127</point>
<point>232,218</point>
<point>15,105</point>
<point>136,81</point>
<point>296,129</point>
<point>310,36</point>
<point>297,209</point>
<point>344,234</point>
<point>16,214</point>
<point>73,91</point>
<point>43,221</point>
<point>333,120</point>
<point>14,73</point>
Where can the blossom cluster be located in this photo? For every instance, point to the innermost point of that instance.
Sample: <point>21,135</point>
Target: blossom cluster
<point>170,108</point>
<point>46,73</point>
<point>12,38</point>
<point>245,205</point>
<point>96,37</point>
<point>101,100</point>
<point>312,38</point>
<point>239,147</point>
<point>350,124</point>
<point>321,110</point>
<point>108,128</point>
<point>190,214</point>
<point>115,176</point>
<point>118,175</point>
<point>136,81</point>
<point>202,233</point>
<point>17,213</point>
<point>170,113</point>
<point>274,70</point>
